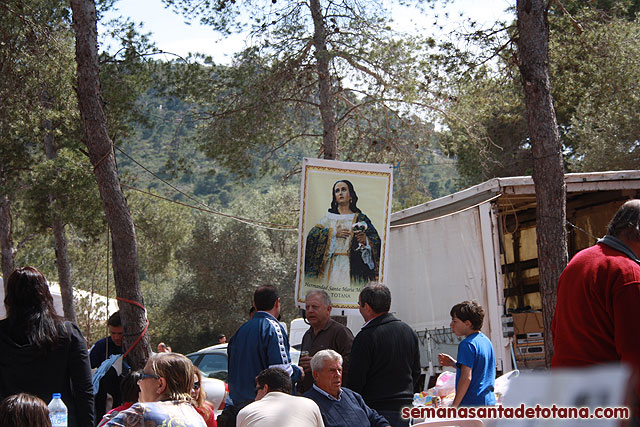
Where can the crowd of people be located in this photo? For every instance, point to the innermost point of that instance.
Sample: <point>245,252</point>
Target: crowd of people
<point>383,357</point>
<point>42,354</point>
<point>385,366</point>
<point>339,381</point>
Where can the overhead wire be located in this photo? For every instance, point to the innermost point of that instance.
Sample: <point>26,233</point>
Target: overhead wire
<point>447,214</point>
<point>261,224</point>
<point>583,230</point>
<point>205,208</point>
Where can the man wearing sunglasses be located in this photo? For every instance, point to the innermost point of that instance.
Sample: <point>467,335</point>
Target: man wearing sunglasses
<point>276,407</point>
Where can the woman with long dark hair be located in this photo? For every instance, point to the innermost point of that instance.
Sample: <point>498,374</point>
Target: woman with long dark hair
<point>344,248</point>
<point>40,353</point>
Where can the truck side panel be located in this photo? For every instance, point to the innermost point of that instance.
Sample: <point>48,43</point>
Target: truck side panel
<point>438,263</point>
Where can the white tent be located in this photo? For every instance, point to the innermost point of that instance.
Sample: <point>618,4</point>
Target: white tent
<point>99,305</point>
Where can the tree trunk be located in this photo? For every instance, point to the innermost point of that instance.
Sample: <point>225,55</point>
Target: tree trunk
<point>125,256</point>
<point>64,270</point>
<point>327,107</point>
<point>6,241</point>
<point>59,238</point>
<point>548,171</point>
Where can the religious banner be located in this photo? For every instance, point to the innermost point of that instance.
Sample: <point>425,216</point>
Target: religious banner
<point>345,209</point>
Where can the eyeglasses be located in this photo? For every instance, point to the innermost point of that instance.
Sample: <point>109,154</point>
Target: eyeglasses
<point>196,385</point>
<point>258,388</point>
<point>144,376</point>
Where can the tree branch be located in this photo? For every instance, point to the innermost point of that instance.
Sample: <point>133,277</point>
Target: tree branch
<point>575,23</point>
<point>360,67</point>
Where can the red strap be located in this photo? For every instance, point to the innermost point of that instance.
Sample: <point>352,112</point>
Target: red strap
<point>144,331</point>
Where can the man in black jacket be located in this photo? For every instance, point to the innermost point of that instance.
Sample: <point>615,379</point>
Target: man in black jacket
<point>101,351</point>
<point>385,362</point>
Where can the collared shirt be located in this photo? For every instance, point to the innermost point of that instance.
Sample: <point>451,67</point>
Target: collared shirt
<point>334,336</point>
<point>370,320</point>
<point>277,409</point>
<point>327,395</point>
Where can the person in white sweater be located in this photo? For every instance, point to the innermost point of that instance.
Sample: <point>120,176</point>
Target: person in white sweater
<point>276,407</point>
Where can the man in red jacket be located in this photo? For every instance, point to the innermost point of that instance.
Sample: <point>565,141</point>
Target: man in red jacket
<point>596,318</point>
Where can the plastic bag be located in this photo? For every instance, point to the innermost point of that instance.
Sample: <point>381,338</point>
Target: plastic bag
<point>501,385</point>
<point>445,384</point>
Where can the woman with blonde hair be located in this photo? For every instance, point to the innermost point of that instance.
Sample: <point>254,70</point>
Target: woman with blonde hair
<point>24,410</point>
<point>199,396</point>
<point>165,395</point>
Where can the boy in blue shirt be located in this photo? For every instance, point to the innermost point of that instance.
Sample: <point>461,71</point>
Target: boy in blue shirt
<point>476,365</point>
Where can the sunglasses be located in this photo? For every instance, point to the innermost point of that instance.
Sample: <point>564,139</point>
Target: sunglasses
<point>196,385</point>
<point>145,376</point>
<point>258,388</point>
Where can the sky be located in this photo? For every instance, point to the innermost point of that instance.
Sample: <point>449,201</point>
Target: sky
<point>171,33</point>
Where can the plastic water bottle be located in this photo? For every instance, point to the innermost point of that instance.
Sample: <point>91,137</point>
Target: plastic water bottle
<point>57,411</point>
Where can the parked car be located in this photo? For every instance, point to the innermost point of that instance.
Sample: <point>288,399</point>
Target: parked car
<point>216,391</point>
<point>213,366</point>
<point>213,362</point>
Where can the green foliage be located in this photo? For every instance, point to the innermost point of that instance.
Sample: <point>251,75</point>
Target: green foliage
<point>92,317</point>
<point>70,177</point>
<point>224,262</point>
<point>31,37</point>
<point>38,100</point>
<point>35,249</point>
<point>161,228</point>
<point>256,119</point>
<point>598,75</point>
<point>263,113</point>
<point>124,77</point>
<point>486,129</point>
<point>627,9</point>
<point>594,73</point>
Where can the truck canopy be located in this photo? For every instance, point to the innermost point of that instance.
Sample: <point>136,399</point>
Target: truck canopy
<point>480,244</point>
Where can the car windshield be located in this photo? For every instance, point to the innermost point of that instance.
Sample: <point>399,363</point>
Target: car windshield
<point>214,365</point>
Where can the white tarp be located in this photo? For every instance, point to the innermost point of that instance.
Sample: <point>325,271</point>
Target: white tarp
<point>435,265</point>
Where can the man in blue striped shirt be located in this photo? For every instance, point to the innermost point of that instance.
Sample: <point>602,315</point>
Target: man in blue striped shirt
<point>259,344</point>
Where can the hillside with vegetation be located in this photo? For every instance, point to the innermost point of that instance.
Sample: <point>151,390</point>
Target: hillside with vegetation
<point>167,144</point>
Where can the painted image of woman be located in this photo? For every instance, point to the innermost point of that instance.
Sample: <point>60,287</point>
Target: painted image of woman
<point>343,249</point>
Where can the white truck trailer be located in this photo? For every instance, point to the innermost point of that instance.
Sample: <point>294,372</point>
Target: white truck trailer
<point>480,243</point>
